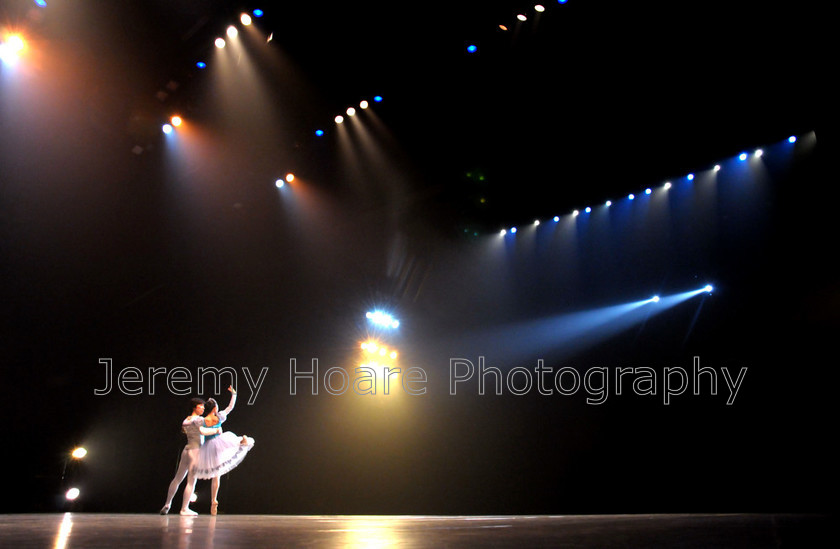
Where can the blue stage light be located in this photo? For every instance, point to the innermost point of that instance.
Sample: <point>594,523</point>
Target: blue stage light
<point>655,299</point>
<point>631,196</point>
<point>41,3</point>
<point>377,98</point>
<point>201,65</point>
<point>167,129</point>
<point>513,230</point>
<point>690,177</point>
<point>319,133</point>
<point>385,320</point>
<point>648,191</point>
<point>608,203</point>
<point>742,157</point>
<point>556,218</point>
<point>708,288</point>
<point>472,48</point>
<point>588,209</point>
<point>792,139</point>
<point>258,12</point>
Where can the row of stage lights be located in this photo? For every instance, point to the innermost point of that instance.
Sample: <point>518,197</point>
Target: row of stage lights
<point>521,17</point>
<point>743,157</point>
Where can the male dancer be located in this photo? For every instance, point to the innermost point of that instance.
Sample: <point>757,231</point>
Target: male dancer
<point>193,427</point>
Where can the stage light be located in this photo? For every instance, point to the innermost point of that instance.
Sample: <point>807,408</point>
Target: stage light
<point>503,232</point>
<point>220,43</point>
<point>319,133</point>
<point>472,48</point>
<point>385,320</point>
<point>351,111</point>
<point>758,153</point>
<point>556,218</point>
<point>279,183</point>
<point>708,288</point>
<point>575,213</point>
<point>536,222</point>
<point>232,32</point>
<point>201,65</point>
<point>792,139</point>
<point>339,119</point>
<point>562,1</point>
<point>513,230</point>
<point>79,453</point>
<point>588,209</point>
<point>245,19</point>
<point>631,196</point>
<point>377,98</point>
<point>648,191</point>
<point>655,299</point>
<point>717,168</point>
<point>667,185</point>
<point>167,129</point>
<point>539,8</point>
<point>72,494</point>
<point>290,177</point>
<point>11,48</point>
<point>176,121</point>
<point>363,104</point>
<point>608,203</point>
<point>502,27</point>
<point>41,3</point>
<point>690,177</point>
<point>742,157</point>
<point>522,17</point>
<point>258,13</point>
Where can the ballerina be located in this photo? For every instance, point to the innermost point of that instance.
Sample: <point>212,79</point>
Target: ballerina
<point>222,452</point>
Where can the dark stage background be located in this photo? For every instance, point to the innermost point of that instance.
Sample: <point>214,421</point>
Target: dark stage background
<point>116,244</point>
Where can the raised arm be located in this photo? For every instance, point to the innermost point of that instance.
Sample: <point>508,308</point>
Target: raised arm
<point>232,400</point>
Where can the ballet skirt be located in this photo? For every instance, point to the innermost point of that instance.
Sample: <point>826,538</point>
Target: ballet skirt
<point>221,453</point>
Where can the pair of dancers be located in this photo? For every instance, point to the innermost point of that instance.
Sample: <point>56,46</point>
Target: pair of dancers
<point>218,453</point>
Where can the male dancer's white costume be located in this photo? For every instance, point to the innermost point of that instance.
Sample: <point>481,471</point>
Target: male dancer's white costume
<point>195,430</point>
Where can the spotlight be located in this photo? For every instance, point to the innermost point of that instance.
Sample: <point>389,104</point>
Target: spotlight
<point>758,153</point>
<point>588,209</point>
<point>655,299</point>
<point>690,177</point>
<point>648,191</point>
<point>472,48</point>
<point>575,213</point>
<point>258,13</point>
<point>201,65</point>
<point>245,19</point>
<point>220,43</point>
<point>377,98</point>
<point>536,222</point>
<point>232,32</point>
<point>11,47</point>
<point>556,218</point>
<point>667,185</point>
<point>382,319</point>
<point>79,453</point>
<point>363,104</point>
<point>742,157</point>
<point>176,121</point>
<point>41,3</point>
<point>522,17</point>
<point>351,111</point>
<point>513,230</point>
<point>319,133</point>
<point>631,196</point>
<point>717,168</point>
<point>167,129</point>
<point>279,183</point>
<point>539,8</point>
<point>72,494</point>
<point>708,288</point>
<point>290,177</point>
<point>502,232</point>
<point>792,139</point>
<point>339,119</point>
<point>608,203</point>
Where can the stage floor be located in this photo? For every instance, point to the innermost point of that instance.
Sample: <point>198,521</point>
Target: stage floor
<point>60,531</point>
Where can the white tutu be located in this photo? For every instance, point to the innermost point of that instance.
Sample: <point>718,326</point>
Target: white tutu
<point>221,454</point>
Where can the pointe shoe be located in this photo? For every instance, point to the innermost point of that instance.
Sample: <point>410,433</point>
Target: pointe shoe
<point>243,441</point>
<point>188,512</point>
<point>164,510</point>
<point>214,508</point>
